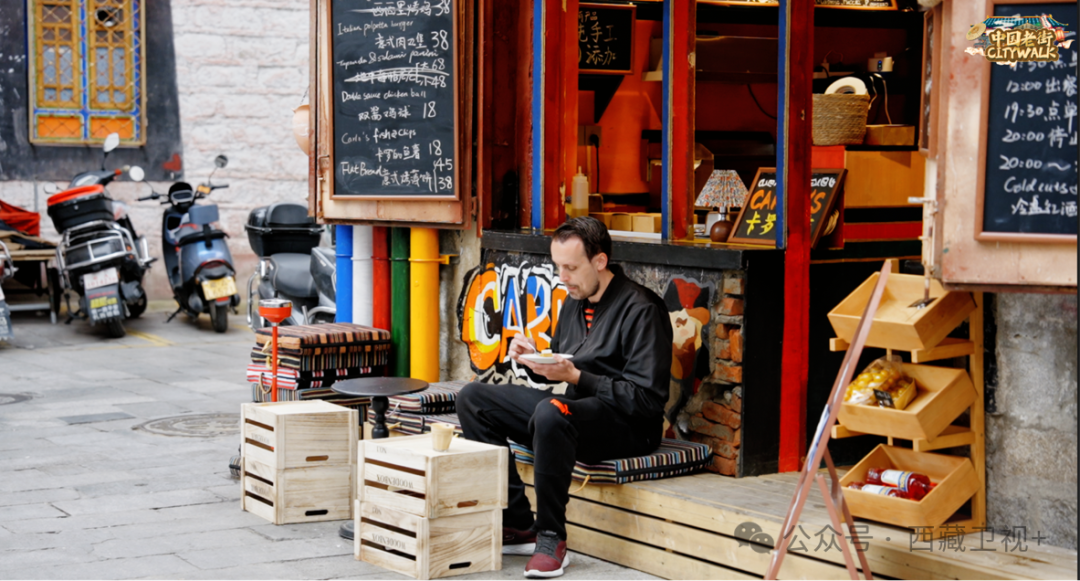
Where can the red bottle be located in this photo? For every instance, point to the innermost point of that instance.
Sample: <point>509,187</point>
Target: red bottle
<point>915,485</point>
<point>879,489</point>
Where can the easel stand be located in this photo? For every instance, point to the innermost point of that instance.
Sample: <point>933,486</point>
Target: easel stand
<point>834,497</point>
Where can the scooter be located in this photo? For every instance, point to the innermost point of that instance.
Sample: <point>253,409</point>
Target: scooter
<point>197,259</point>
<point>100,258</point>
<point>7,270</point>
<point>292,265</point>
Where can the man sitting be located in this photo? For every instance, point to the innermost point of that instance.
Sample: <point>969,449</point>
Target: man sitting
<point>619,334</point>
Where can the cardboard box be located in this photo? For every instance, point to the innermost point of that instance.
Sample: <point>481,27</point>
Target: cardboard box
<point>650,223</point>
<point>604,217</point>
<point>890,135</point>
<point>622,221</point>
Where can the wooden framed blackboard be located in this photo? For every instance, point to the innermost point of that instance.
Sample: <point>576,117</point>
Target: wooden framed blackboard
<point>931,61</point>
<point>843,4</point>
<point>1027,190</point>
<point>606,38</point>
<point>394,95</point>
<point>757,221</point>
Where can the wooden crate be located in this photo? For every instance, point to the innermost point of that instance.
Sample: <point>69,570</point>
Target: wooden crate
<point>897,325</point>
<point>298,494</point>
<point>956,478</point>
<point>299,434</point>
<point>943,394</point>
<point>428,548</point>
<point>407,474</point>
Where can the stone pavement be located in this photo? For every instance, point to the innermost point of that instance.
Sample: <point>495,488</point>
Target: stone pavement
<point>88,492</point>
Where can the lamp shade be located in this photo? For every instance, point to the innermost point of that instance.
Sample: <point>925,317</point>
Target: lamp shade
<point>723,190</point>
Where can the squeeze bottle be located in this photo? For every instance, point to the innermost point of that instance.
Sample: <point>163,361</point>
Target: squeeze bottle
<point>579,197</point>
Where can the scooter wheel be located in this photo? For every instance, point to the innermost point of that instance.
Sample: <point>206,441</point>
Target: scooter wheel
<point>114,328</point>
<point>219,317</point>
<point>138,308</point>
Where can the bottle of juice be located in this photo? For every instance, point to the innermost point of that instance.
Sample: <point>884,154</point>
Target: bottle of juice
<point>915,485</point>
<point>879,489</point>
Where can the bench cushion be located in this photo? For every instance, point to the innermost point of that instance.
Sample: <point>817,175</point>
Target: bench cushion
<point>438,398</point>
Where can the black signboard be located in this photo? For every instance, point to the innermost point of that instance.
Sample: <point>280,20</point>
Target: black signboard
<point>757,222</point>
<point>605,39</point>
<point>395,99</point>
<point>1029,185</point>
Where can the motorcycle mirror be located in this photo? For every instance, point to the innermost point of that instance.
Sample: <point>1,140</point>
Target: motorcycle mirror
<point>112,142</point>
<point>136,173</point>
<point>221,161</point>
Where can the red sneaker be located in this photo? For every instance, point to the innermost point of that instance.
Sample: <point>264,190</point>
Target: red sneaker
<point>517,542</point>
<point>550,557</point>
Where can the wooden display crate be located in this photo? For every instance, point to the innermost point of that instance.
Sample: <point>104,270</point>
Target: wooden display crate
<point>298,494</point>
<point>428,548</point>
<point>898,325</point>
<point>956,478</point>
<point>407,474</point>
<point>943,394</point>
<point>299,434</point>
<point>298,461</point>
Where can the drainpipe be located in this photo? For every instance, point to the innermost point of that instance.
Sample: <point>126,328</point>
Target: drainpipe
<point>399,314</point>
<point>380,269</point>
<point>424,311</point>
<point>362,288</point>
<point>343,248</point>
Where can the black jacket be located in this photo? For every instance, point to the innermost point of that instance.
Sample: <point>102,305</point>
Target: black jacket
<point>625,359</point>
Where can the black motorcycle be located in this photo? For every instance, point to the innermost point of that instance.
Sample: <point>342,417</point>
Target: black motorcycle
<point>100,258</point>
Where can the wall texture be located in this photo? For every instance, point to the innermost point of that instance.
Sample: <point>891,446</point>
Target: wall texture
<point>241,68</point>
<point>1031,440</point>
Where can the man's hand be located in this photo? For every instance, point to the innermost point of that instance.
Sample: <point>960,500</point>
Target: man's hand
<point>560,370</point>
<point>520,345</point>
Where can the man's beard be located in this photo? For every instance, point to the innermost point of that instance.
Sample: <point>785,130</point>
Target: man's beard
<point>585,293</point>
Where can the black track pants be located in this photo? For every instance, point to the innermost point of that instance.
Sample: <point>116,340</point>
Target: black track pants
<point>560,431</point>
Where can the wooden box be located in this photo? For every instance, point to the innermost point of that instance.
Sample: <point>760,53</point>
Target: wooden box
<point>897,325</point>
<point>956,484</point>
<point>407,474</point>
<point>648,223</point>
<point>298,494</point>
<point>890,135</point>
<point>298,460</point>
<point>299,434</point>
<point>943,394</point>
<point>428,548</point>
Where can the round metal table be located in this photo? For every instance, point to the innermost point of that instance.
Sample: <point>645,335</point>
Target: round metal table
<point>379,389</point>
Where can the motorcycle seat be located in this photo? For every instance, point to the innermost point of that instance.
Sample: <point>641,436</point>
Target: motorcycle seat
<point>199,236</point>
<point>292,276</point>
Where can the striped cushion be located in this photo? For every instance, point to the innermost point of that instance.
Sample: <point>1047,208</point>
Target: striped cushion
<point>324,335</point>
<point>374,357</point>
<point>292,379</point>
<point>323,393</point>
<point>414,424</point>
<point>672,458</point>
<point>438,398</point>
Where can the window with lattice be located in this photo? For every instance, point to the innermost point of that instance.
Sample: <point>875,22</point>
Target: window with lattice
<point>86,71</point>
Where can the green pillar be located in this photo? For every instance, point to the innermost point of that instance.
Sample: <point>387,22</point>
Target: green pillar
<point>399,302</point>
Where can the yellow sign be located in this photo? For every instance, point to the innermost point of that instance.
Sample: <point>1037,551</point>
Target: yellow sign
<point>222,287</point>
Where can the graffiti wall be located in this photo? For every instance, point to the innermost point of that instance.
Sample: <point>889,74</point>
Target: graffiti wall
<point>514,293</point>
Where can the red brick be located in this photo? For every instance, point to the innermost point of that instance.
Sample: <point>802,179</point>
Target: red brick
<point>728,373</point>
<point>723,349</point>
<point>711,442</point>
<point>735,344</point>
<point>731,307</point>
<point>722,330</point>
<point>736,403</point>
<point>721,414</point>
<point>736,437</point>
<point>725,450</point>
<point>706,428</point>
<point>725,466</point>
<point>734,285</point>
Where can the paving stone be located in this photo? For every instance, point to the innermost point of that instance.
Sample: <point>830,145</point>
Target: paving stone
<point>267,553</point>
<point>153,410</point>
<point>136,568</point>
<point>10,514</point>
<point>43,496</point>
<point>122,502</point>
<point>92,418</point>
<point>69,555</point>
<point>176,543</point>
<point>54,540</point>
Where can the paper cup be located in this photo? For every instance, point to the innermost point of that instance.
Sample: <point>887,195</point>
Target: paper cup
<point>441,434</point>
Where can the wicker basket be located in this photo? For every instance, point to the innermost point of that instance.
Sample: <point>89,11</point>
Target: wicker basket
<point>840,119</point>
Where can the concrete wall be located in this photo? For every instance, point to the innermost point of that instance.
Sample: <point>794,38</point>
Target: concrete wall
<point>1031,439</point>
<point>241,68</point>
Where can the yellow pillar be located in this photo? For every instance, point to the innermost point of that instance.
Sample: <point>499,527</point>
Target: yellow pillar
<point>424,308</point>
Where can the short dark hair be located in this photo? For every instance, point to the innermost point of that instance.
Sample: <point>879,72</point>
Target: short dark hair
<point>592,233</point>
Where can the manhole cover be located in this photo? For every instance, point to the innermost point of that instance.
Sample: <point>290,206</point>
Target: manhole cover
<point>195,426</point>
<point>6,398</point>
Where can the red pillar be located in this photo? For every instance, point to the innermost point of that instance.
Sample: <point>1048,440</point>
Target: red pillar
<point>380,255</point>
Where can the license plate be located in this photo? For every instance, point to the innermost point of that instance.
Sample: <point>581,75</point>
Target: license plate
<point>100,278</point>
<point>222,287</point>
<point>104,303</point>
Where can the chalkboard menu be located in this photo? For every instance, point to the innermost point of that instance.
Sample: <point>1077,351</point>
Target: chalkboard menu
<point>395,99</point>
<point>757,221</point>
<point>605,39</point>
<point>858,4</point>
<point>1029,185</point>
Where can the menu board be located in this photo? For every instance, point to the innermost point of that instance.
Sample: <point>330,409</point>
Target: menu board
<point>757,222</point>
<point>605,38</point>
<point>1029,185</point>
<point>395,99</point>
<point>858,4</point>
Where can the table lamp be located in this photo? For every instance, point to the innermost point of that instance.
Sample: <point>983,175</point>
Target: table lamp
<point>723,191</point>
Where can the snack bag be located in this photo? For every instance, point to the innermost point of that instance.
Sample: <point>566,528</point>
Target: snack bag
<point>883,375</point>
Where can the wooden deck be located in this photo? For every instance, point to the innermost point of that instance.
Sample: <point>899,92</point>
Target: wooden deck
<point>685,528</point>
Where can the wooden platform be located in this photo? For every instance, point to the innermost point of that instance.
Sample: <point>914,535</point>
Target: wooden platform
<point>685,528</point>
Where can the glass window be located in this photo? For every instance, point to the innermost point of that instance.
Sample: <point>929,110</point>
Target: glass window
<point>86,71</point>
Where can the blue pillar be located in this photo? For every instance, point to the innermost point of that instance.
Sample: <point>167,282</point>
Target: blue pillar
<point>343,288</point>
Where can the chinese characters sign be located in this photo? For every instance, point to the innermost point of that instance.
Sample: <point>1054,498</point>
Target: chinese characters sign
<point>605,38</point>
